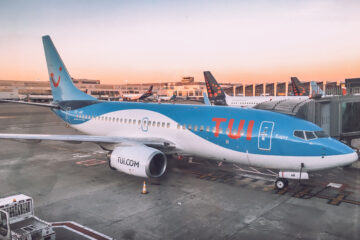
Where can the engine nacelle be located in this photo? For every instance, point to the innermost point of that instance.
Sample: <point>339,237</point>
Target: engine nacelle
<point>139,161</point>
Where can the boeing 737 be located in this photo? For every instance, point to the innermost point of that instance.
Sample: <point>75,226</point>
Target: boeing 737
<point>218,97</point>
<point>139,136</point>
<point>138,97</point>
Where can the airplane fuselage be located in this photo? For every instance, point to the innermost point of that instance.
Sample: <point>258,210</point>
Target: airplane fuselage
<point>237,101</point>
<point>246,136</point>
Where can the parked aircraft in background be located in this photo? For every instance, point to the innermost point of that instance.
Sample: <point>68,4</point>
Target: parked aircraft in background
<point>217,95</point>
<point>298,87</point>
<point>167,98</point>
<point>139,135</point>
<point>317,92</point>
<point>138,97</point>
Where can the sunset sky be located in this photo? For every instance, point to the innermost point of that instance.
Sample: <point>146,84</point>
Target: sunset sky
<point>152,41</point>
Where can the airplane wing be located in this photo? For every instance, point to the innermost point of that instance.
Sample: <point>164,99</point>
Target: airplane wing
<point>154,142</point>
<point>50,105</point>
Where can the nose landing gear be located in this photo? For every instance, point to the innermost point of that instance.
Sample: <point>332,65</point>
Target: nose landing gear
<point>281,183</point>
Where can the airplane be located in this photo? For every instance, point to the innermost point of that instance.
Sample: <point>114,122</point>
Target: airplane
<point>138,97</point>
<point>218,97</point>
<point>138,136</point>
<point>206,99</point>
<point>317,92</point>
<point>298,87</point>
<point>167,98</point>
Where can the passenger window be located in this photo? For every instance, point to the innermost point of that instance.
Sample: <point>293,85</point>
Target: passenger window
<point>184,126</point>
<point>201,128</point>
<point>195,128</point>
<point>149,123</point>
<point>214,130</point>
<point>189,127</point>
<point>121,120</point>
<point>178,126</point>
<point>310,135</point>
<point>220,130</point>
<point>158,124</point>
<point>134,121</point>
<point>227,131</point>
<point>163,124</point>
<point>208,129</point>
<point>154,123</point>
<point>168,125</point>
<point>299,134</point>
<point>125,120</point>
<point>113,119</point>
<point>139,122</point>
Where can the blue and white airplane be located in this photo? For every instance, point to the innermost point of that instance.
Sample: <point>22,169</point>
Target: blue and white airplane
<point>139,135</point>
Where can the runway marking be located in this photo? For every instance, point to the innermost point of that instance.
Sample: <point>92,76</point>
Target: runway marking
<point>89,163</point>
<point>337,200</point>
<point>81,230</point>
<point>335,196</point>
<point>302,193</point>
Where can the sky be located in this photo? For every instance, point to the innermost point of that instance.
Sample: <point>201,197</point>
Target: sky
<point>157,41</point>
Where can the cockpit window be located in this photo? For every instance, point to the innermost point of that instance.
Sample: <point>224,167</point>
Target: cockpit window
<point>310,135</point>
<point>321,134</point>
<point>299,134</point>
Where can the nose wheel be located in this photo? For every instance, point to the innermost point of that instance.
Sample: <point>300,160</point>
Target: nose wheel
<point>281,183</point>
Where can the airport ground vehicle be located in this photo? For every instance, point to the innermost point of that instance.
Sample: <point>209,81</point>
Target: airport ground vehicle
<point>18,222</point>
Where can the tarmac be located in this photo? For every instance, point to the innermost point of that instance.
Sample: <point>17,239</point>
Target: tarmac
<point>195,200</point>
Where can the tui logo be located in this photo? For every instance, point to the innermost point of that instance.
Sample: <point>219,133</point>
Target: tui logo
<point>56,84</point>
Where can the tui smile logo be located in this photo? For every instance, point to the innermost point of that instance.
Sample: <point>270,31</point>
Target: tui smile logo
<point>56,84</point>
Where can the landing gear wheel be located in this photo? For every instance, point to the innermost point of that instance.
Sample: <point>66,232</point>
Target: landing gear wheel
<point>111,167</point>
<point>281,183</point>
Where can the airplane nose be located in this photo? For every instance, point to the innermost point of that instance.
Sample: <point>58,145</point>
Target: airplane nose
<point>348,159</point>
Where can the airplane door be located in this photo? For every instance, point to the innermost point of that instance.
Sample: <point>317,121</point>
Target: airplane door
<point>265,135</point>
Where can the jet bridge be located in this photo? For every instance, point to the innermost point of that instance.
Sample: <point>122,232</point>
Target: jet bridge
<point>339,116</point>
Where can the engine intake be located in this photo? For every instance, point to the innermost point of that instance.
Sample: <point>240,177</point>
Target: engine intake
<point>138,160</point>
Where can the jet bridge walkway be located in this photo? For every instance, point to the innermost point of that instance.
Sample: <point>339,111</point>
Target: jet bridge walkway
<point>339,116</point>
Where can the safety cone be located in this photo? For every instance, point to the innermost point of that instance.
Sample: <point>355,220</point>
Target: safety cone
<point>144,191</point>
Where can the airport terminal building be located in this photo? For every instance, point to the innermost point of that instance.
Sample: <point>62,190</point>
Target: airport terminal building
<point>186,88</point>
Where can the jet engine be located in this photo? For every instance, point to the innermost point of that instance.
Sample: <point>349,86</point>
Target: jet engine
<point>138,160</point>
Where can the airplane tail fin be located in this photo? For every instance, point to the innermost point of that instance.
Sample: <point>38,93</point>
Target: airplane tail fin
<point>148,93</point>
<point>206,99</point>
<point>316,90</point>
<point>62,86</point>
<point>215,93</point>
<point>298,87</point>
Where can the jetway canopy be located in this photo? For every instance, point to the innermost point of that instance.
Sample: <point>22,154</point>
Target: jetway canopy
<point>339,116</point>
